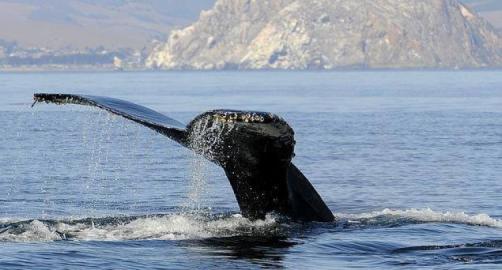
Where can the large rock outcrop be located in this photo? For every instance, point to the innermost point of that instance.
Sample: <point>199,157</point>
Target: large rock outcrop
<point>329,34</point>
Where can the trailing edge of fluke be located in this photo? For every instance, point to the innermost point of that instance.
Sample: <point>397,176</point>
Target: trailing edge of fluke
<point>255,150</point>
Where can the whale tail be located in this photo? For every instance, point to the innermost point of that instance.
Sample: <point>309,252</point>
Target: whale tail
<point>255,150</point>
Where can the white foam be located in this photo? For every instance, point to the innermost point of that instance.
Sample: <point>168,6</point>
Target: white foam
<point>185,226</point>
<point>33,231</point>
<point>173,227</point>
<point>429,215</point>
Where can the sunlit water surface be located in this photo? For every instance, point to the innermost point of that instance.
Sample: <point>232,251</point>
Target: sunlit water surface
<point>409,162</point>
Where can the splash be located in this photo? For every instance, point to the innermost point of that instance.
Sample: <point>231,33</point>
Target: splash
<point>184,226</point>
<point>170,227</point>
<point>30,232</point>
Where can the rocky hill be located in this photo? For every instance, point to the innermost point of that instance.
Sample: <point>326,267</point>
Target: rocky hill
<point>329,34</point>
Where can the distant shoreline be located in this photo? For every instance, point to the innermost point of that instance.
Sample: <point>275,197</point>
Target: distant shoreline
<point>111,70</point>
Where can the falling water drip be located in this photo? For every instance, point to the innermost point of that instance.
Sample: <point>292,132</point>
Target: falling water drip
<point>95,134</point>
<point>205,136</point>
<point>133,139</point>
<point>198,171</point>
<point>198,182</point>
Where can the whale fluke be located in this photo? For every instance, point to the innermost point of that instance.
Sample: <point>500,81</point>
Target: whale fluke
<point>139,114</point>
<point>255,150</point>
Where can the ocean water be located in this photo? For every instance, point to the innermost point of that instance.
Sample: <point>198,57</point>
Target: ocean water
<point>410,163</point>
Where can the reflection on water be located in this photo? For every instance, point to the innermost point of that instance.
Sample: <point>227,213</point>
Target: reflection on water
<point>262,251</point>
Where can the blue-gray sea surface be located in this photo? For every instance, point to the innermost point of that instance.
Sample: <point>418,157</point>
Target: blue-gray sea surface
<point>409,162</point>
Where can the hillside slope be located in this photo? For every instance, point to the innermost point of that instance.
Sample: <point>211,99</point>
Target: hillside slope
<point>327,34</point>
<point>80,24</point>
<point>491,10</point>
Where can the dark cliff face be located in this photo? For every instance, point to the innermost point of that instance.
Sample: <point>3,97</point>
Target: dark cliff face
<point>328,34</point>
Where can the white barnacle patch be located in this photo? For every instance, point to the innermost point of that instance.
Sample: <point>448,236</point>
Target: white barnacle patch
<point>245,117</point>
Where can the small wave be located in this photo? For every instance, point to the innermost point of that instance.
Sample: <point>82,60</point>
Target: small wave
<point>183,226</point>
<point>426,215</point>
<point>488,252</point>
<point>492,244</point>
<point>170,227</point>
